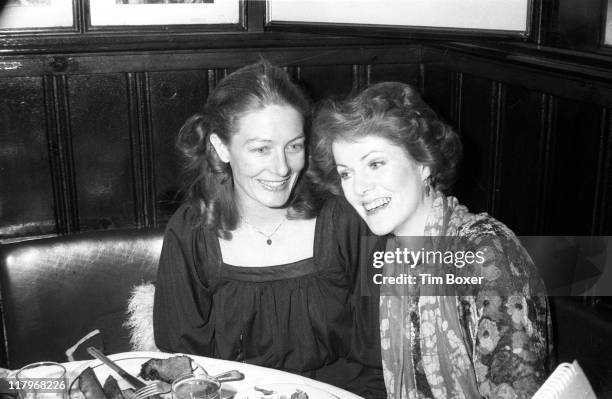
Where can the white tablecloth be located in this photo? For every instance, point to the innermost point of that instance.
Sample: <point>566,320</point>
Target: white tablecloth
<point>254,375</point>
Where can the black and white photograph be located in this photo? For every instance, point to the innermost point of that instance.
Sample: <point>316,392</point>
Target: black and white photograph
<point>26,3</point>
<point>305,199</point>
<point>163,12</point>
<point>163,1</point>
<point>507,15</point>
<point>20,14</point>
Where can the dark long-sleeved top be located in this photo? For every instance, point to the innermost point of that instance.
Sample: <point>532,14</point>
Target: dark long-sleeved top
<point>306,317</point>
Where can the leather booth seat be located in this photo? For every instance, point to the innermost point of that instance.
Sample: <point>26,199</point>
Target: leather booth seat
<point>55,291</point>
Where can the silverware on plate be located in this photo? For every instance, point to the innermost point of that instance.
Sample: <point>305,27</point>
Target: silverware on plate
<point>154,388</point>
<point>144,390</point>
<point>130,379</point>
<point>160,387</point>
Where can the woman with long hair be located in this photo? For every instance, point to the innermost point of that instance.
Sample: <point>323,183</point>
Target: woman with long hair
<point>252,268</point>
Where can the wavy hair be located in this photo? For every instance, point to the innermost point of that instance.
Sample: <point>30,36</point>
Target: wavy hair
<point>209,183</point>
<point>391,110</point>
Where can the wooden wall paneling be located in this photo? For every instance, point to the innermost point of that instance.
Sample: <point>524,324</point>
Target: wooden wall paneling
<point>255,15</point>
<point>456,103</point>
<point>60,150</point>
<point>548,128</point>
<point>570,80</point>
<point>175,96</point>
<point>422,78</point>
<point>26,194</point>
<point>139,114</point>
<point>539,15</point>
<point>175,41</point>
<point>575,158</point>
<point>605,226</point>
<point>361,74</point>
<point>602,218</point>
<point>138,61</point>
<point>520,162</point>
<point>439,90</point>
<point>575,24</point>
<point>101,138</point>
<point>218,74</point>
<point>407,73</point>
<point>495,160</point>
<point>477,128</point>
<point>321,82</point>
<point>3,340</point>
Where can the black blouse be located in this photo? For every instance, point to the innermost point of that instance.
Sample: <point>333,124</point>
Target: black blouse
<point>306,317</point>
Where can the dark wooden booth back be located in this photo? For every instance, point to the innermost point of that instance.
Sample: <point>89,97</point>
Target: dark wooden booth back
<point>87,136</point>
<point>92,147</point>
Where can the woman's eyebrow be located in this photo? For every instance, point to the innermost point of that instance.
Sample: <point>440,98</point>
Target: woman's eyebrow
<point>297,138</point>
<point>368,154</point>
<point>257,139</point>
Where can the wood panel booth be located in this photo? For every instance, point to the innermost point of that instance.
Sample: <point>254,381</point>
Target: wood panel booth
<point>89,115</point>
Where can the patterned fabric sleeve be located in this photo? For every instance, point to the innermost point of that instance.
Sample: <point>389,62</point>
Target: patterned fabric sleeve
<point>511,319</point>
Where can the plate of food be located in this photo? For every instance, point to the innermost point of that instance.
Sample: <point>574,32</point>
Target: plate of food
<point>96,380</point>
<point>284,391</point>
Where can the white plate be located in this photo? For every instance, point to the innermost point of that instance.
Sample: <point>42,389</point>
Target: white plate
<point>284,391</point>
<point>130,363</point>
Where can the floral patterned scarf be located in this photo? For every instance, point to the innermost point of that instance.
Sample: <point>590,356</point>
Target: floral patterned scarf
<point>485,344</point>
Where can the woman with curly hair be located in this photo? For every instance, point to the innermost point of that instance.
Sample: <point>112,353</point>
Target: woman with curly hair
<point>251,268</point>
<point>486,332</point>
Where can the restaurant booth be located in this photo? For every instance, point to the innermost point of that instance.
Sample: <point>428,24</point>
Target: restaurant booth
<point>92,101</point>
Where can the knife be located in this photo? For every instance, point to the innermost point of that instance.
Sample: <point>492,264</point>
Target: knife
<point>130,379</point>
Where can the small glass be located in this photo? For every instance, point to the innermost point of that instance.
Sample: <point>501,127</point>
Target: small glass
<point>196,387</point>
<point>42,380</point>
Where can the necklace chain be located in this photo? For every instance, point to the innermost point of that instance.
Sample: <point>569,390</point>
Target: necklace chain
<point>269,237</point>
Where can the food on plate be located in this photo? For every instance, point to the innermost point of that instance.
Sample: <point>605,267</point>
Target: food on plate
<point>111,388</point>
<point>128,394</point>
<point>90,386</point>
<point>155,369</point>
<point>271,394</point>
<point>166,370</point>
<point>299,395</point>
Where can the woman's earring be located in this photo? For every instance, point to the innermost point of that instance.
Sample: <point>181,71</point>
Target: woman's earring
<point>427,184</point>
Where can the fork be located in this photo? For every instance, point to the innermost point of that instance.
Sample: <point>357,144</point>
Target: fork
<point>160,387</point>
<point>154,388</point>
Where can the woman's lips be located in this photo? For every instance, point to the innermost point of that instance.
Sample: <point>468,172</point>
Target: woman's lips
<point>376,205</point>
<point>274,185</point>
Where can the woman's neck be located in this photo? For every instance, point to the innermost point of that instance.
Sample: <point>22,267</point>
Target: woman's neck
<point>415,225</point>
<point>261,216</point>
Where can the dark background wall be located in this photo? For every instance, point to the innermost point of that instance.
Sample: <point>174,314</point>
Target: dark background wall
<point>93,147</point>
<point>88,119</point>
<point>88,122</point>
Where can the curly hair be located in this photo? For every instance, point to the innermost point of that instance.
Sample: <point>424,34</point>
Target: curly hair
<point>391,110</point>
<point>209,182</point>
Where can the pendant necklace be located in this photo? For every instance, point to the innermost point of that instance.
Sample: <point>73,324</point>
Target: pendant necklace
<point>268,236</point>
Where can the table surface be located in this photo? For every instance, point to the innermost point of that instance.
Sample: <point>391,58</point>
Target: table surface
<point>254,375</point>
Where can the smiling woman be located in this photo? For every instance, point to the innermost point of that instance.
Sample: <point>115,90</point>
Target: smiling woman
<point>481,333</point>
<point>266,155</point>
<point>374,161</point>
<point>252,269</point>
